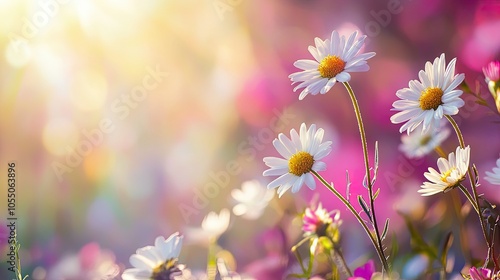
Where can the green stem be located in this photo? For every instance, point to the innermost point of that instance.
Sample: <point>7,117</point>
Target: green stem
<point>367,169</point>
<point>457,206</point>
<point>472,184</point>
<point>339,260</point>
<point>379,250</point>
<point>212,259</point>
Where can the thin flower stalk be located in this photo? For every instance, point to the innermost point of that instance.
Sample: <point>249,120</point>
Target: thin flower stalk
<point>367,170</point>
<point>379,250</point>
<point>473,187</point>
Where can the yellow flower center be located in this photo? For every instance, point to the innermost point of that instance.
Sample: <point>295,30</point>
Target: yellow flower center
<point>431,98</point>
<point>425,140</point>
<point>331,66</point>
<point>300,163</point>
<point>166,270</point>
<point>446,175</point>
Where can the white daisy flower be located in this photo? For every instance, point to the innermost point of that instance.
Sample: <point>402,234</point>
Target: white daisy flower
<point>451,173</point>
<point>252,199</point>
<point>428,100</point>
<point>156,262</point>
<point>301,156</point>
<point>334,58</point>
<point>212,226</point>
<point>494,177</point>
<point>418,144</point>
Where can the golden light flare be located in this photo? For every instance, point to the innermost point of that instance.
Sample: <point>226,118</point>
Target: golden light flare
<point>18,53</point>
<point>89,91</point>
<point>59,136</point>
<point>98,163</point>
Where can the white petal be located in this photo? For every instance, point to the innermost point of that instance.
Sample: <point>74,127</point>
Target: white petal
<point>306,64</point>
<point>319,166</point>
<point>314,53</point>
<point>283,179</point>
<point>275,162</point>
<point>281,148</point>
<point>142,262</point>
<point>151,253</point>
<point>343,77</point>
<point>136,274</point>
<point>287,143</point>
<point>297,184</point>
<point>309,180</point>
<point>275,171</point>
<point>328,86</point>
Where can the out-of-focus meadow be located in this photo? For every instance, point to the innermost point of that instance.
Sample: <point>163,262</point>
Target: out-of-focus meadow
<point>132,119</point>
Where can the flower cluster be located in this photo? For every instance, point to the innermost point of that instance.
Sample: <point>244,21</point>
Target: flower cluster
<point>424,111</point>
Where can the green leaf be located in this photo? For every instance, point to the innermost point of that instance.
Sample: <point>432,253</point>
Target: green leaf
<point>366,209</point>
<point>465,87</point>
<point>481,102</point>
<point>365,182</point>
<point>446,246</point>
<point>348,187</point>
<point>375,169</point>
<point>386,229</point>
<point>394,248</point>
<point>476,175</point>
<point>326,243</point>
<point>418,241</point>
<point>312,251</point>
<point>376,194</point>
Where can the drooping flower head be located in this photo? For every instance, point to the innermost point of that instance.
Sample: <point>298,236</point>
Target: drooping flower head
<point>494,176</point>
<point>492,77</point>
<point>334,58</point>
<point>301,155</point>
<point>418,144</point>
<point>425,102</point>
<point>492,72</point>
<point>452,171</point>
<point>321,222</point>
<point>158,262</point>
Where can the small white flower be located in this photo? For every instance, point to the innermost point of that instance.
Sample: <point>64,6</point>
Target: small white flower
<point>428,100</point>
<point>418,144</point>
<point>451,173</point>
<point>301,156</point>
<point>494,176</point>
<point>214,225</point>
<point>334,58</point>
<point>252,199</point>
<point>156,262</point>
